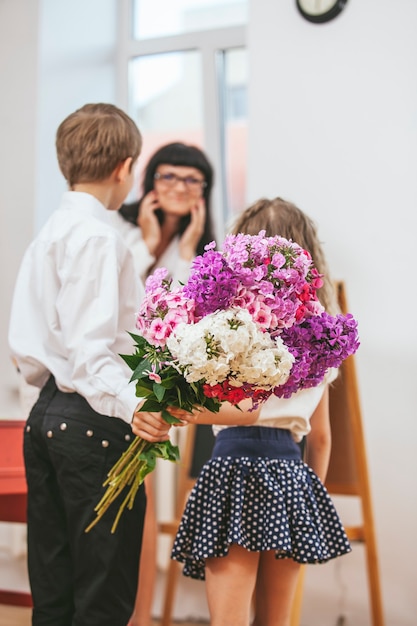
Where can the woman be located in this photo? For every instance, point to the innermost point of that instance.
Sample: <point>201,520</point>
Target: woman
<point>171,223</point>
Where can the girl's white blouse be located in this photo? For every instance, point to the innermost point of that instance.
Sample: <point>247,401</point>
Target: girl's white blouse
<point>292,413</point>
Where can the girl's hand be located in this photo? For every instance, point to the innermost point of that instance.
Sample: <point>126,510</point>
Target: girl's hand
<point>148,222</point>
<point>150,426</point>
<point>184,416</point>
<point>192,235</point>
<point>228,414</point>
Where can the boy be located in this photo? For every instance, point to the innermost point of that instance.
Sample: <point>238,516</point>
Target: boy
<point>76,296</point>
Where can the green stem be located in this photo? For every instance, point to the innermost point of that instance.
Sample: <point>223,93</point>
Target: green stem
<point>123,473</point>
<point>135,448</point>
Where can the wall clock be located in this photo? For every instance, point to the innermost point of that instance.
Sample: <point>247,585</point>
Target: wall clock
<point>320,11</point>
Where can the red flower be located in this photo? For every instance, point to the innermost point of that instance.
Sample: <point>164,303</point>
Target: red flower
<point>305,294</point>
<point>300,312</point>
<point>234,395</point>
<point>211,391</point>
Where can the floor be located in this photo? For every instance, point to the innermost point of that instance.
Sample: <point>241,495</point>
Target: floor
<point>14,616</point>
<point>19,616</point>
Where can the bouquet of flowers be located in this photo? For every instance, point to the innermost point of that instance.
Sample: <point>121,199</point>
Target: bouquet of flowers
<point>247,324</point>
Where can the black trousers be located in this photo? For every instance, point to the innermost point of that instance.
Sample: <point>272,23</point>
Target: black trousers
<point>78,578</point>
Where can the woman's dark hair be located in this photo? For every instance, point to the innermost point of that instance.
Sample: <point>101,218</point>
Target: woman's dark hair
<point>177,154</point>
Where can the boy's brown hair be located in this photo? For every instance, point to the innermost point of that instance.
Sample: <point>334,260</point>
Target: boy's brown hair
<point>93,141</point>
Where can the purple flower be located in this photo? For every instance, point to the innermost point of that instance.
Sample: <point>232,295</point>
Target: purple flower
<point>319,343</point>
<point>275,281</point>
<point>212,283</point>
<point>159,279</point>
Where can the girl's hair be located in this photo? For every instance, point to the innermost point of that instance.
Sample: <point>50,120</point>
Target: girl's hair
<point>177,154</point>
<point>279,217</point>
<point>94,140</point>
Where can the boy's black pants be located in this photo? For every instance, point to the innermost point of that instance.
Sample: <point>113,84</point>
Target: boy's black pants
<point>77,578</point>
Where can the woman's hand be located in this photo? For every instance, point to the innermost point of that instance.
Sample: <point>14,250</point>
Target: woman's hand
<point>148,222</point>
<point>192,234</point>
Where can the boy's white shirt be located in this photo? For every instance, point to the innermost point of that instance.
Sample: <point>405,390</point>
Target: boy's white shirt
<point>76,296</point>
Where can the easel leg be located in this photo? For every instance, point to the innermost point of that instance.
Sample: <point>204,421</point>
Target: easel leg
<point>298,598</point>
<point>171,585</point>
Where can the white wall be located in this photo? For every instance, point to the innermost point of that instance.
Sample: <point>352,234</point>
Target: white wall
<point>333,127</point>
<point>18,109</point>
<point>77,60</point>
<point>54,57</point>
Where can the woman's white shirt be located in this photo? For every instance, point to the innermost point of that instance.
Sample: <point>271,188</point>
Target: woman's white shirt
<point>145,262</point>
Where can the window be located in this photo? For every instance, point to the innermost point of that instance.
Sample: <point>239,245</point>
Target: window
<point>165,93</point>
<point>183,76</point>
<point>233,74</point>
<point>159,18</point>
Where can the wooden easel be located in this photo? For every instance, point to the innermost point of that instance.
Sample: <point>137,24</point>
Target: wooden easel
<point>347,475</point>
<point>348,470</point>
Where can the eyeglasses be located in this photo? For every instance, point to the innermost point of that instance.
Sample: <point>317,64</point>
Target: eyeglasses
<point>170,180</point>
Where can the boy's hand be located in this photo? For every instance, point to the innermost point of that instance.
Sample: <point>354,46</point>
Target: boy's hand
<point>150,426</point>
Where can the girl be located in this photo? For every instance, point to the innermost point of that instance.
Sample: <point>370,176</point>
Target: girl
<point>257,510</point>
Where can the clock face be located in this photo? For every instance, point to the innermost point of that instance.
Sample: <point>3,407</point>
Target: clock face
<point>320,11</point>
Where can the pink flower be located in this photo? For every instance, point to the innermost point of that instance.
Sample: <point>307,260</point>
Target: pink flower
<point>152,375</point>
<point>158,332</point>
<point>262,315</point>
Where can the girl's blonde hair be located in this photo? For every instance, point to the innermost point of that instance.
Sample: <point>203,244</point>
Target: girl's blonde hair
<point>279,217</point>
